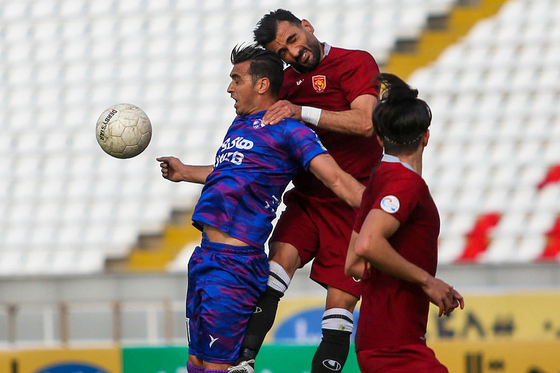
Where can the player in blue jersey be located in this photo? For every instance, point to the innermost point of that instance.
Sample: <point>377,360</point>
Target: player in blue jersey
<point>228,272</point>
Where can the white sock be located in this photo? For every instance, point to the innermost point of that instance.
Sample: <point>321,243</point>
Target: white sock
<point>278,279</point>
<point>338,319</point>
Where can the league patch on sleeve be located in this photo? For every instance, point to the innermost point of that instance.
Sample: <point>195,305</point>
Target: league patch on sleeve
<point>390,204</point>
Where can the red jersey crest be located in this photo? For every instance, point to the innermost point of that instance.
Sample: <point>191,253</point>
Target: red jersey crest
<point>319,83</point>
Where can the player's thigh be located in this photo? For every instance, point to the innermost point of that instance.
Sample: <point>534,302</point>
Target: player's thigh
<point>227,289</point>
<point>334,221</point>
<point>296,227</point>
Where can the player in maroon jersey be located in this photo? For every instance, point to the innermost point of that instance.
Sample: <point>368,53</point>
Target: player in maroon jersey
<point>334,91</point>
<point>394,243</point>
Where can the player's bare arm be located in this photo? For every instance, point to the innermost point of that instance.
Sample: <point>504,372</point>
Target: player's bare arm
<point>325,168</point>
<point>354,265</point>
<point>356,121</point>
<point>174,170</point>
<point>372,244</point>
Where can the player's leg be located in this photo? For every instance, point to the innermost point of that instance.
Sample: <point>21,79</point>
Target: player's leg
<point>334,221</point>
<point>284,261</point>
<point>195,365</point>
<point>293,244</point>
<point>337,325</point>
<point>231,280</point>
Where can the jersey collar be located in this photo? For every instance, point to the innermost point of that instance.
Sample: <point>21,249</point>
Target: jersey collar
<point>393,159</point>
<point>326,49</point>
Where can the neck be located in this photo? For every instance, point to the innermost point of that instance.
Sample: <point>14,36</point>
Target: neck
<point>263,103</point>
<point>414,160</point>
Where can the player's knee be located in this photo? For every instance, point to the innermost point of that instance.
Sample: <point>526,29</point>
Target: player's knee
<point>286,255</point>
<point>337,298</point>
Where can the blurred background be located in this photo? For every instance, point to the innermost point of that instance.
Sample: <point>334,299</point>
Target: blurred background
<point>93,249</point>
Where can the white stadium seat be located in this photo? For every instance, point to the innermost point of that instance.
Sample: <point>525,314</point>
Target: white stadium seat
<point>66,205</point>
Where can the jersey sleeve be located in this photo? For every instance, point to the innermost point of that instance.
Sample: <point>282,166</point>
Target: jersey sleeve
<point>360,76</point>
<point>399,198</point>
<point>302,142</point>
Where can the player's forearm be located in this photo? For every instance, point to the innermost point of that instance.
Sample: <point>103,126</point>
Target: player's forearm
<point>353,122</point>
<point>381,255</point>
<point>354,265</point>
<point>195,174</point>
<point>348,189</point>
<point>325,168</point>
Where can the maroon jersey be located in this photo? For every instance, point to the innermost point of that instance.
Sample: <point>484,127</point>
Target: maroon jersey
<point>394,312</point>
<point>339,78</point>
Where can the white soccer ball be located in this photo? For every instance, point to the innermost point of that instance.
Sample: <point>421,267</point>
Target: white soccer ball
<point>123,131</point>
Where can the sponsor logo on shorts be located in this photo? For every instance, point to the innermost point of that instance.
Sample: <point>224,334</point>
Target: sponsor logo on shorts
<point>258,309</point>
<point>390,204</point>
<point>212,340</point>
<point>332,365</point>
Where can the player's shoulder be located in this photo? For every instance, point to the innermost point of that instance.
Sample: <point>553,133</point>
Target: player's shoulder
<point>401,174</point>
<point>358,54</point>
<point>289,124</point>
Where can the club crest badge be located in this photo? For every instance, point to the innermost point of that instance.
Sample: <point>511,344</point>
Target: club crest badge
<point>319,83</point>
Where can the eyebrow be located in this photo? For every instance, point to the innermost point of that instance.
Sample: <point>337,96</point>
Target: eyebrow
<point>234,76</point>
<point>291,38</point>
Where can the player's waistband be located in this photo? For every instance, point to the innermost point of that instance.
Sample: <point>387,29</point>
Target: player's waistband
<point>206,244</point>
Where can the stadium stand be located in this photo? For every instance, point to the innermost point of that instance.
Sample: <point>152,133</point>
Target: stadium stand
<point>66,206</point>
<point>491,163</point>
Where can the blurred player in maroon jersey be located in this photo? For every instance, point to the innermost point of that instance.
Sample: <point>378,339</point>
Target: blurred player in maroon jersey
<point>394,243</point>
<point>333,91</point>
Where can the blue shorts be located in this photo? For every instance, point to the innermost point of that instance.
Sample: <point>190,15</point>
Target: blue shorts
<point>224,284</point>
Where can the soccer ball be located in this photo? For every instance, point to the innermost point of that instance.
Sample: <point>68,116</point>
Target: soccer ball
<point>123,131</point>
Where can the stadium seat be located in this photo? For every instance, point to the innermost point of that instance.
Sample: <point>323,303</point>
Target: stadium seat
<point>64,61</point>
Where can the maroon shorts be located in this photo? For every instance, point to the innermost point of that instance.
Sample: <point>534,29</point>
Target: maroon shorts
<point>417,358</point>
<point>319,228</point>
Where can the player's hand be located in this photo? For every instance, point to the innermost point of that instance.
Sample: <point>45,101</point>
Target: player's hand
<point>170,167</point>
<point>443,295</point>
<point>281,110</point>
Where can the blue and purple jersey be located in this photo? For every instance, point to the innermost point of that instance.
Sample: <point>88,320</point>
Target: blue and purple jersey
<point>253,166</point>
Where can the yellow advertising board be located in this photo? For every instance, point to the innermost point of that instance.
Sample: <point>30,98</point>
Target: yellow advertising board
<point>533,316</point>
<point>62,360</point>
<point>499,357</point>
<point>505,316</point>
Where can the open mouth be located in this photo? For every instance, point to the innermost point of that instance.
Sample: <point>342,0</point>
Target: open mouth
<point>304,57</point>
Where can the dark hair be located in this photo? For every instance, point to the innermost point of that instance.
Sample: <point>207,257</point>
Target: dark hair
<point>265,32</point>
<point>400,117</point>
<point>264,64</point>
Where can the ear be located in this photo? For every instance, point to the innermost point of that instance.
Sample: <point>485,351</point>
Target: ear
<point>425,138</point>
<point>380,140</point>
<point>307,26</point>
<point>262,85</point>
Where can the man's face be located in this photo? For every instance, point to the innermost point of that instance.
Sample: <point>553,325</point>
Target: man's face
<point>297,46</point>
<point>241,89</point>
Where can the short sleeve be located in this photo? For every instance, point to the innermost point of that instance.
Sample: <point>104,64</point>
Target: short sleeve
<point>303,143</point>
<point>360,76</point>
<point>399,198</point>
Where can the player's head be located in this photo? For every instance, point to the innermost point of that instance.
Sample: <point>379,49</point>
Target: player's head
<point>289,37</point>
<point>256,72</point>
<point>401,119</point>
